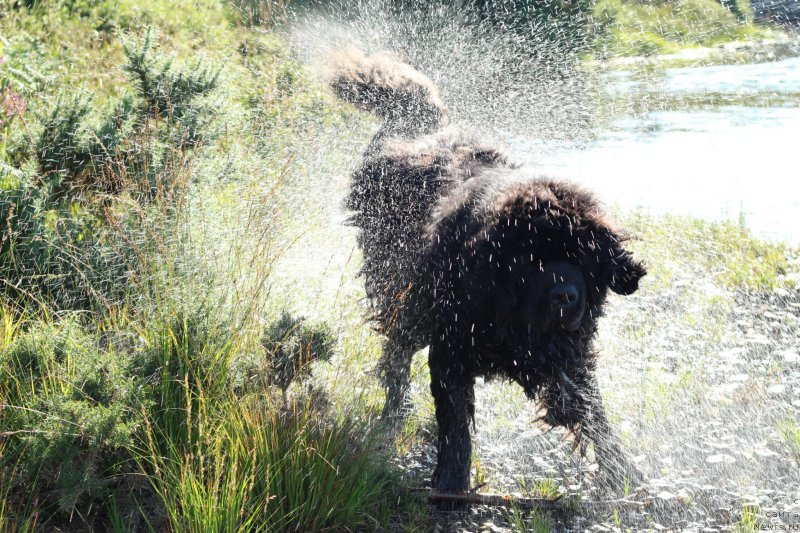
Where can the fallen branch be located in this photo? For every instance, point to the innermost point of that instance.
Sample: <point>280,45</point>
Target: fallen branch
<point>525,504</point>
<point>494,500</point>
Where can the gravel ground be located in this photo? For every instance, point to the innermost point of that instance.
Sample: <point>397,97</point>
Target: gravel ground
<point>699,382</point>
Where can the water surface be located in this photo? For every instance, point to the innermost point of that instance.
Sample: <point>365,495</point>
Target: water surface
<point>718,142</point>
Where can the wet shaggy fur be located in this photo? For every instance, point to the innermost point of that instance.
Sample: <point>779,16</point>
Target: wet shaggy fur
<point>460,250</point>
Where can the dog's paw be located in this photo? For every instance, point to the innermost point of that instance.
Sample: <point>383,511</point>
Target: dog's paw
<point>622,480</point>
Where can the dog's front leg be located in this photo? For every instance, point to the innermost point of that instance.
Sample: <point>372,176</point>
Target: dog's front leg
<point>617,472</point>
<point>453,395</point>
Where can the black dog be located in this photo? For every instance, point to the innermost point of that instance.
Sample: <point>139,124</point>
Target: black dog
<point>497,271</point>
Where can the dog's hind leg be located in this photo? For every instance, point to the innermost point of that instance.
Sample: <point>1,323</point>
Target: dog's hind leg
<point>395,371</point>
<point>455,407</point>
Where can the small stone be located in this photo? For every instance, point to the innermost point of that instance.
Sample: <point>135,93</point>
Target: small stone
<point>790,356</point>
<point>764,452</point>
<point>665,495</point>
<point>776,389</point>
<point>720,458</point>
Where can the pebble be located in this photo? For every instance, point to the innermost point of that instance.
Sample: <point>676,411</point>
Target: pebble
<point>720,458</point>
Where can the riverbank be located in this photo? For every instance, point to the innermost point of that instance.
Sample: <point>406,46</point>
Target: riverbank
<point>732,52</point>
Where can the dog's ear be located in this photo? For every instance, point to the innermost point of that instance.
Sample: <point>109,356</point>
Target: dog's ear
<point>624,272</point>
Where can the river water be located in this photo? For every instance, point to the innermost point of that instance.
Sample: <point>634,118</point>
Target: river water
<point>716,142</point>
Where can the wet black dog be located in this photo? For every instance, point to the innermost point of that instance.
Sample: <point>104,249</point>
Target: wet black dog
<point>497,271</point>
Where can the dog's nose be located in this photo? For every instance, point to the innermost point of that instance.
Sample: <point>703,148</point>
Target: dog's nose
<point>563,296</point>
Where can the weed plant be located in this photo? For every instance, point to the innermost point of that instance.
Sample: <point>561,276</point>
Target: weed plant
<point>139,369</point>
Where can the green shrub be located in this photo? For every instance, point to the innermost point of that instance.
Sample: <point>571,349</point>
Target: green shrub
<point>51,250</point>
<point>141,135</point>
<point>65,247</point>
<point>67,407</point>
<point>292,344</point>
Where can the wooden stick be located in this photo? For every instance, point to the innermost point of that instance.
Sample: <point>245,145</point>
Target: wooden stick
<point>496,500</point>
<point>525,504</point>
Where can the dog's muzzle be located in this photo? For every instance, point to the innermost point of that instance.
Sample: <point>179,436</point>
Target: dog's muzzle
<point>565,305</point>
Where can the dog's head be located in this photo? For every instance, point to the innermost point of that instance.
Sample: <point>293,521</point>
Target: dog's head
<point>529,266</point>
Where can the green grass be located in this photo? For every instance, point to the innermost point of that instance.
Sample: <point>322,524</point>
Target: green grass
<point>790,430</point>
<point>632,28</point>
<point>748,520</point>
<point>255,468</point>
<point>534,521</point>
<point>728,250</point>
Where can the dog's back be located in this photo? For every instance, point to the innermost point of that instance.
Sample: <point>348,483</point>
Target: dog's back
<point>412,163</point>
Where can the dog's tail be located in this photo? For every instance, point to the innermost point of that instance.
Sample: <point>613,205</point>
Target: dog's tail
<point>406,99</point>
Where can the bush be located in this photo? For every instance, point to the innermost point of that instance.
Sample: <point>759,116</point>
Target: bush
<point>67,407</point>
<point>140,136</point>
<point>52,251</point>
<point>292,344</point>
<point>64,245</point>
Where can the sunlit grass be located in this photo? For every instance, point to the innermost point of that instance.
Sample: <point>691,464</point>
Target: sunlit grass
<point>547,488</point>
<point>10,324</point>
<point>534,521</point>
<point>258,469</point>
<point>728,250</point>
<point>647,28</point>
<point>790,430</point>
<point>748,520</point>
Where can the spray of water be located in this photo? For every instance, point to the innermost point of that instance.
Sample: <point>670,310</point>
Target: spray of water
<point>495,81</point>
<point>699,377</point>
